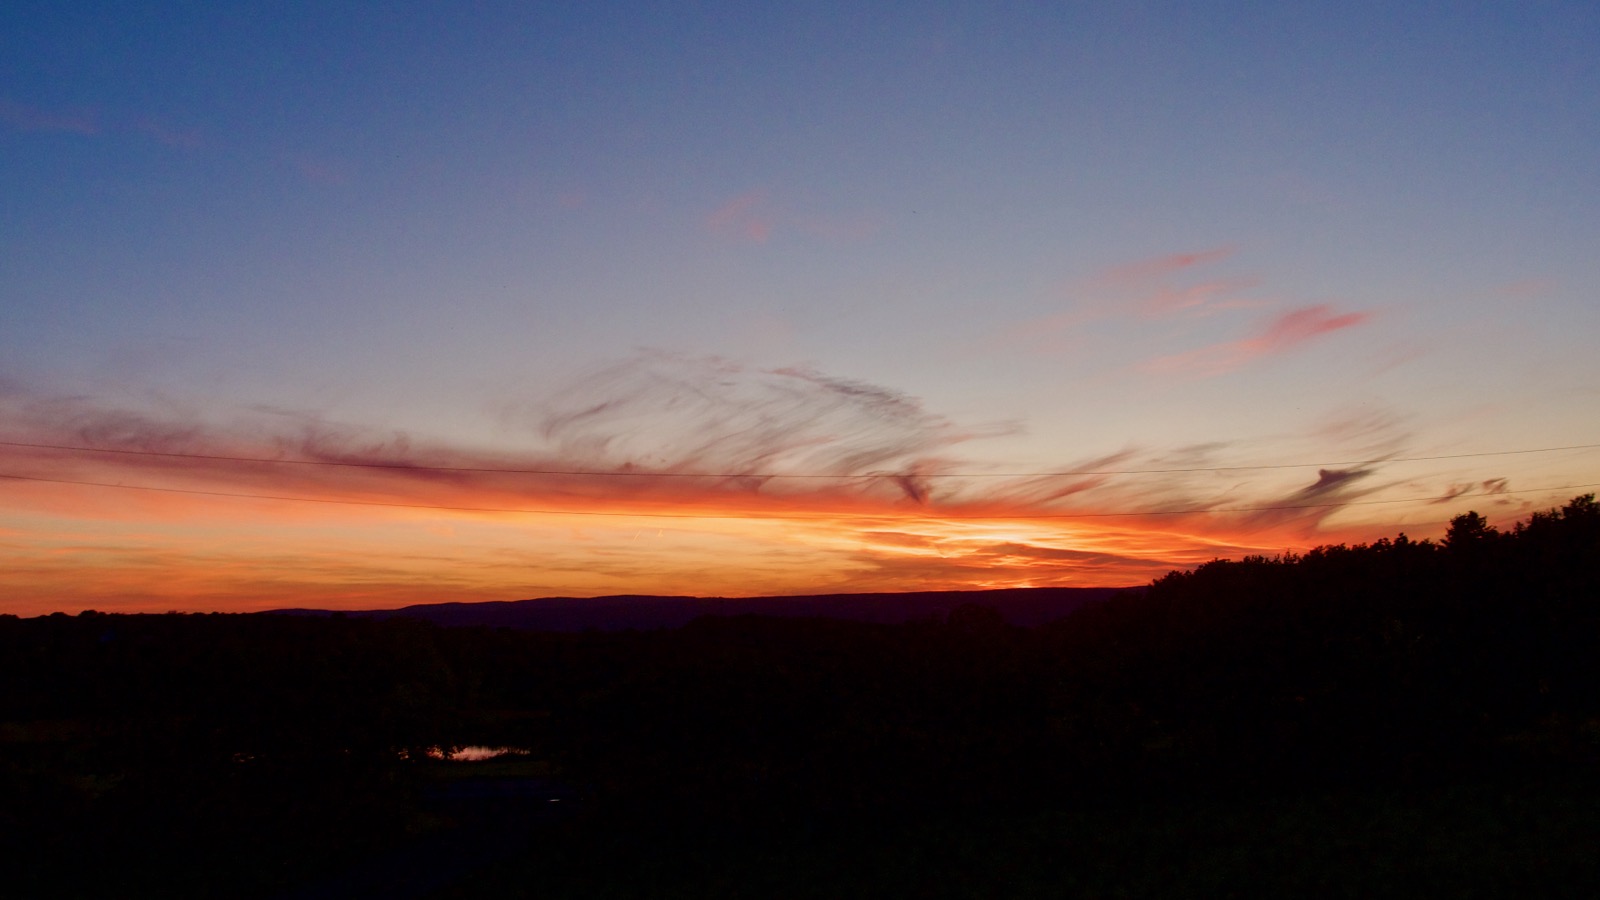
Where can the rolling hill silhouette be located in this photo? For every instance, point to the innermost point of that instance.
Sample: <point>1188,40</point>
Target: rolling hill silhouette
<point>1018,606</point>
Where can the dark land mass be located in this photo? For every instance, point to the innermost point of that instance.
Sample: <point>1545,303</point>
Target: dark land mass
<point>1017,606</point>
<point>1400,719</point>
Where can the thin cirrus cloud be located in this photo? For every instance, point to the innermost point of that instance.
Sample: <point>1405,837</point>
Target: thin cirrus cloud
<point>22,117</point>
<point>752,217</point>
<point>744,217</point>
<point>1157,288</point>
<point>697,474</point>
<point>1528,288</point>
<point>1154,288</point>
<point>1284,332</point>
<point>27,118</point>
<point>1144,271</point>
<point>658,432</point>
<point>1490,487</point>
<point>1202,299</point>
<point>319,171</point>
<point>654,433</point>
<point>176,138</point>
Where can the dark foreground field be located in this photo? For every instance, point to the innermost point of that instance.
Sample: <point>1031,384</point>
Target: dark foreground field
<point>1513,837</point>
<point>1400,719</point>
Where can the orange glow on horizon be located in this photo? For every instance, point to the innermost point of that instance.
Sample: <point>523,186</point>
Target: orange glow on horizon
<point>362,538</point>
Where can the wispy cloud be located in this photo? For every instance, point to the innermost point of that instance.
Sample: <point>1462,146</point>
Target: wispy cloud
<point>744,217</point>
<point>1487,488</point>
<point>28,118</point>
<point>1207,298</point>
<point>840,228</point>
<point>1154,289</point>
<point>661,472</point>
<point>1280,334</point>
<point>177,138</point>
<point>754,217</point>
<point>88,123</point>
<point>1144,271</point>
<point>673,413</point>
<point>658,432</point>
<point>1528,288</point>
<point>320,171</point>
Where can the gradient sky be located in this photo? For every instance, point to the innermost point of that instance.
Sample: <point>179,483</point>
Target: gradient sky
<point>815,297</point>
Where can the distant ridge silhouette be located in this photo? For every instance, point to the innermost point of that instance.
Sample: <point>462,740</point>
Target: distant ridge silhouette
<point>1018,606</point>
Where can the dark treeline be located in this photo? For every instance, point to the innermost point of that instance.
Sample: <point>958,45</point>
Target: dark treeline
<point>235,754</point>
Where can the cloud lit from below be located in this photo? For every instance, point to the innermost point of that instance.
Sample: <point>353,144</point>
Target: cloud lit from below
<point>661,473</point>
<point>1284,332</point>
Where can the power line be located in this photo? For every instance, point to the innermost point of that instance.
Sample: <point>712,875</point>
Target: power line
<point>417,467</point>
<point>925,515</point>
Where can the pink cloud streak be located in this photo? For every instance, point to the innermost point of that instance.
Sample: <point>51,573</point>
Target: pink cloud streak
<point>1142,289</point>
<point>1284,333</point>
<point>753,217</point>
<point>1157,267</point>
<point>1199,299</point>
<point>742,217</point>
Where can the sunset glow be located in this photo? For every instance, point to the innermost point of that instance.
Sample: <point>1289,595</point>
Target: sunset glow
<point>574,304</point>
<point>182,529</point>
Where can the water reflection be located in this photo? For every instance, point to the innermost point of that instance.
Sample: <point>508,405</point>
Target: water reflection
<point>474,753</point>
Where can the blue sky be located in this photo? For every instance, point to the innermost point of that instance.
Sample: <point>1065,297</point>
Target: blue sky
<point>1217,234</point>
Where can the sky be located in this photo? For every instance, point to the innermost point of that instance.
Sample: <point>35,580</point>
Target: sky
<point>362,305</point>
